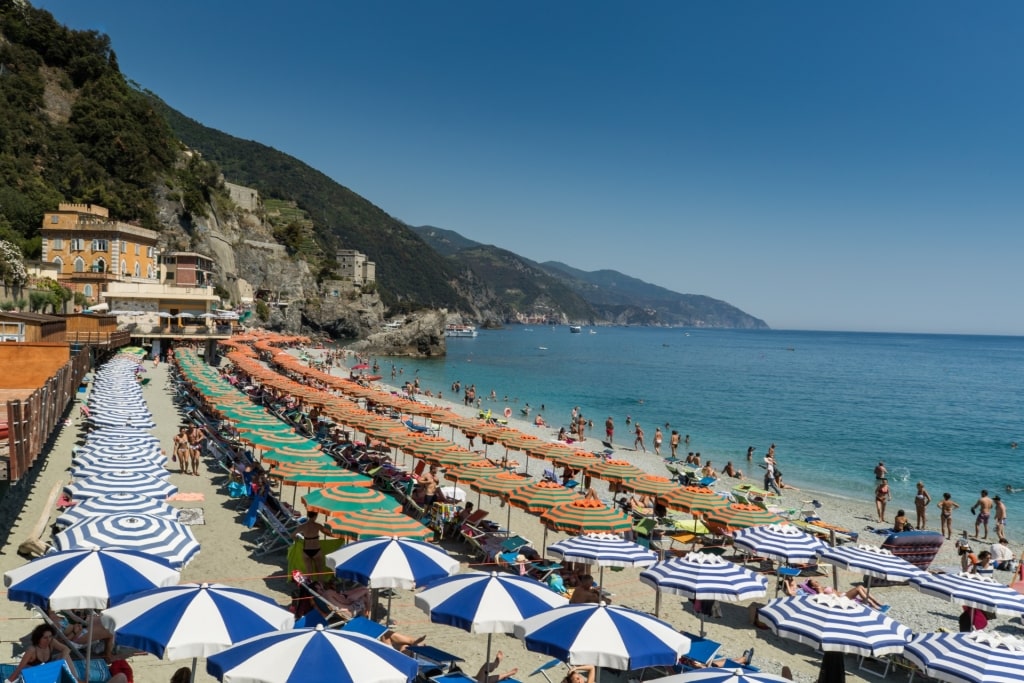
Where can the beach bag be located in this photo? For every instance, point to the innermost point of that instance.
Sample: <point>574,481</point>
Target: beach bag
<point>236,489</point>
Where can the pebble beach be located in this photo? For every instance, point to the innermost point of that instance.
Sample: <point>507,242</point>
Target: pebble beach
<point>226,557</point>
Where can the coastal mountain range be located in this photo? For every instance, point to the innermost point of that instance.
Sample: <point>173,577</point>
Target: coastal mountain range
<point>78,131</point>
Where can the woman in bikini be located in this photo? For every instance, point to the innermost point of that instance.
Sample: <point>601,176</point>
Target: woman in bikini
<point>946,507</point>
<point>882,496</point>
<point>310,532</point>
<point>195,439</point>
<point>182,450</point>
<point>921,502</point>
<point>42,650</point>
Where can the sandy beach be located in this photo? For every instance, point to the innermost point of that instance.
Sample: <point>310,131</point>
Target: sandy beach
<point>226,557</point>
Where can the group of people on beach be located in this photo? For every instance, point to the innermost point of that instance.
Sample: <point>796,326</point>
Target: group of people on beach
<point>188,449</point>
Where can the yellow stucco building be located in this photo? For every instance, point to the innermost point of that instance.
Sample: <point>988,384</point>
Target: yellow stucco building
<point>91,250</point>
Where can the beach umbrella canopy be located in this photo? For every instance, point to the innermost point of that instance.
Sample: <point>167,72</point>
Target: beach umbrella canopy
<point>975,657</point>
<point>488,603</point>
<point>604,550</point>
<point>367,524</point>
<point>971,590</point>
<point>782,542</point>
<point>456,456</point>
<point>116,503</point>
<point>872,560</point>
<point>334,500</point>
<point>94,451</point>
<point>834,623</point>
<point>693,499</point>
<point>87,579</point>
<point>540,496</point>
<point>194,620</point>
<point>704,576</point>
<point>391,563</point>
<point>724,675</point>
<point>119,482</point>
<point>472,471</point>
<point>120,464</point>
<point>740,516</point>
<point>615,470</point>
<point>157,536</point>
<point>312,655</point>
<point>321,478</point>
<point>304,459</point>
<point>586,515</point>
<point>603,635</point>
<point>651,485</point>
<point>111,436</point>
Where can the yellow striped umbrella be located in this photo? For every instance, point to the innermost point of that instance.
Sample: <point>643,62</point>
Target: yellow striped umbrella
<point>549,451</point>
<point>693,499</point>
<point>500,485</point>
<point>278,458</point>
<point>321,478</point>
<point>374,523</point>
<point>456,456</point>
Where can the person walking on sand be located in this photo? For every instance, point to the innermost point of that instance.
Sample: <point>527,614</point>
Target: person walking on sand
<point>882,496</point>
<point>638,442</point>
<point>983,508</point>
<point>657,440</point>
<point>673,442</point>
<point>921,502</point>
<point>946,507</point>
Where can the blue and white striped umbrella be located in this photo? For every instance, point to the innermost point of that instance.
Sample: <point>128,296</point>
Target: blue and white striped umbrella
<point>782,542</point>
<point>971,590</point>
<point>834,623</point>
<point>604,636</point>
<point>713,675</point>
<point>489,603</point>
<point>872,560</point>
<point>110,418</point>
<point>120,435</point>
<point>119,482</point>
<point>164,538</point>
<point>391,563</point>
<point>92,452</point>
<point>604,550</point>
<point>87,579</point>
<point>119,464</point>
<point>194,620</point>
<point>116,503</point>
<point>975,657</point>
<point>312,655</point>
<point>703,576</point>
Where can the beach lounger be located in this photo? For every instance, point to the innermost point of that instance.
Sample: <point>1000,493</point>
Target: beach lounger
<point>276,537</point>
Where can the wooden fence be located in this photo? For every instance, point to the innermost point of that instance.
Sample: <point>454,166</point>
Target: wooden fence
<point>31,421</point>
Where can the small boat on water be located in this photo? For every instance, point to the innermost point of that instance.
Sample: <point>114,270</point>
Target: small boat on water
<point>459,331</point>
<point>575,329</point>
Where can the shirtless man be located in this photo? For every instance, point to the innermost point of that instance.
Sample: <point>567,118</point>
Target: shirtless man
<point>428,480</point>
<point>585,592</point>
<point>609,429</point>
<point>983,508</point>
<point>1000,517</point>
<point>195,439</point>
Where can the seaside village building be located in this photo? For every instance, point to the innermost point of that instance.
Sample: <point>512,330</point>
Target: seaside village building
<point>353,267</point>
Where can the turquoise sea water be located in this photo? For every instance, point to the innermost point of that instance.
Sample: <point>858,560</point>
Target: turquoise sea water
<point>941,409</point>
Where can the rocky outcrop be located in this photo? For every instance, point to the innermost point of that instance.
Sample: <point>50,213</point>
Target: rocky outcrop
<point>421,335</point>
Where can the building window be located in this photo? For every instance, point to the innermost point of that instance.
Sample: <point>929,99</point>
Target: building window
<point>124,268</point>
<point>87,290</point>
<point>138,270</point>
<point>59,262</point>
<point>149,271</point>
<point>99,266</point>
<point>150,251</point>
<point>58,243</point>
<point>136,250</point>
<point>77,244</point>
<point>124,246</point>
<point>99,245</point>
<point>55,219</point>
<point>170,275</point>
<point>79,265</point>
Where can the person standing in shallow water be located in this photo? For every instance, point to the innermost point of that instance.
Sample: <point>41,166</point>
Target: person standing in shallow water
<point>882,496</point>
<point>609,429</point>
<point>673,442</point>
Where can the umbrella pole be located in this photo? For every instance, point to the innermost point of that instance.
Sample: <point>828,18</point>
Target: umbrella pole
<point>508,521</point>
<point>702,620</point>
<point>657,601</point>
<point>487,662</point>
<point>194,659</point>
<point>544,543</point>
<point>390,620</point>
<point>88,654</point>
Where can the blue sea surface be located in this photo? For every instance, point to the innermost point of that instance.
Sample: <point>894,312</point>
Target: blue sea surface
<point>942,409</point>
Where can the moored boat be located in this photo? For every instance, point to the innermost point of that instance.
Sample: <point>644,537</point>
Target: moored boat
<point>454,330</point>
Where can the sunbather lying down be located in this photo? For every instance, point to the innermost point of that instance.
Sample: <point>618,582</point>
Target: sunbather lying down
<point>351,603</point>
<point>400,641</point>
<point>858,593</point>
<point>486,675</point>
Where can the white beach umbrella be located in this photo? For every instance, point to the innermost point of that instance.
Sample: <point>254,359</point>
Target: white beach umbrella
<point>118,482</point>
<point>157,536</point>
<point>783,542</point>
<point>604,550</point>
<point>975,657</point>
<point>971,590</point>
<point>116,503</point>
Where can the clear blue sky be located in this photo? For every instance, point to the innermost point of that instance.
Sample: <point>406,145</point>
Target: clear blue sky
<point>821,165</point>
